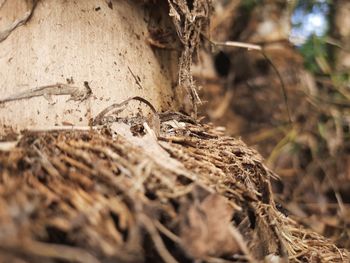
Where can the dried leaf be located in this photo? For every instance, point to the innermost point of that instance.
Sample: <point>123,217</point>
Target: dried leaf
<point>205,230</point>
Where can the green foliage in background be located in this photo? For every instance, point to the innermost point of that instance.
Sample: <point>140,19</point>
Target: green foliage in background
<point>314,50</point>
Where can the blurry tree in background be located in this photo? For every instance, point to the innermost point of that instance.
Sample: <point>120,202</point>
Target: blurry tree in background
<point>341,33</point>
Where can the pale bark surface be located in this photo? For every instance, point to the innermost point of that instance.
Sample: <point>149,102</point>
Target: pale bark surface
<point>80,41</point>
<point>342,31</point>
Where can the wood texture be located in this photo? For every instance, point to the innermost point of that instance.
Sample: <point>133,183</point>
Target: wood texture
<point>81,41</point>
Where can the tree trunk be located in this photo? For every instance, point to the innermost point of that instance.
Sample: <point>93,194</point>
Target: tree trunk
<point>341,26</point>
<point>72,42</point>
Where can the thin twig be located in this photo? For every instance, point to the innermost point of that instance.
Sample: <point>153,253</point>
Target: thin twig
<point>167,232</point>
<point>238,44</point>
<point>98,119</point>
<point>158,242</point>
<point>136,79</point>
<point>62,252</point>
<point>284,91</point>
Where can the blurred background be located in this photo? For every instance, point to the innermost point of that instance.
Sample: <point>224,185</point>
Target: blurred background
<point>290,101</point>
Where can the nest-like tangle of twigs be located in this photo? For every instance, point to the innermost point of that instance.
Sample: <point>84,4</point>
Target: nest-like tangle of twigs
<point>118,194</point>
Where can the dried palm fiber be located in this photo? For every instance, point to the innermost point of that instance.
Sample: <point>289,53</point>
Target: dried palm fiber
<point>190,21</point>
<point>118,194</point>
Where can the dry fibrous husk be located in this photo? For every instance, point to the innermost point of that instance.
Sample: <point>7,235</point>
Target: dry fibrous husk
<point>118,194</point>
<point>190,21</point>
